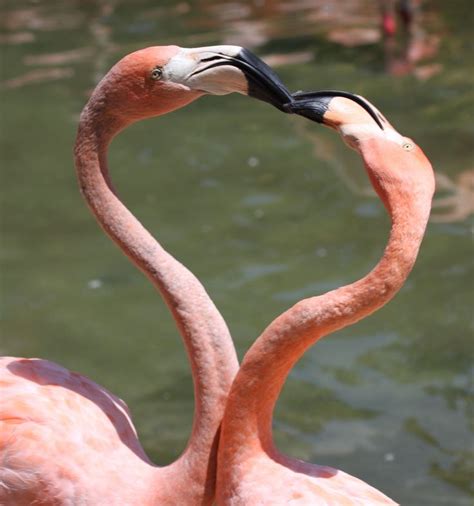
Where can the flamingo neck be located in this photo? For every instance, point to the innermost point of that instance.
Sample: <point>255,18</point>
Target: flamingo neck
<point>247,425</point>
<point>206,337</point>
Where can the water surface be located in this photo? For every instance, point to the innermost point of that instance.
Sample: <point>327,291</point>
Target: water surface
<point>265,209</point>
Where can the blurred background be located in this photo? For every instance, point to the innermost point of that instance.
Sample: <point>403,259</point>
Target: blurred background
<point>265,209</point>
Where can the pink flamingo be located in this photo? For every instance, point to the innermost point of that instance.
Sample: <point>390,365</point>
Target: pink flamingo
<point>407,10</point>
<point>250,469</point>
<point>63,438</point>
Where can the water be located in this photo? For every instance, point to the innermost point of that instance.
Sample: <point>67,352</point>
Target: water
<point>266,210</point>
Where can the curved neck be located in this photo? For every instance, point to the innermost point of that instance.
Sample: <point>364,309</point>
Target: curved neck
<point>206,337</point>
<point>247,421</point>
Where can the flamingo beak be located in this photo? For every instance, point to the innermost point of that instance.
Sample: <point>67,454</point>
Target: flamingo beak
<point>263,83</point>
<point>225,69</point>
<point>315,106</point>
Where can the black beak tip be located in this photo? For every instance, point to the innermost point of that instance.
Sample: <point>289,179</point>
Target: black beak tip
<point>309,106</point>
<point>263,83</point>
<point>313,105</point>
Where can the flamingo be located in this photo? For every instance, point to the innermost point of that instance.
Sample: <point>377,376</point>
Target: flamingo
<point>65,440</point>
<point>407,9</point>
<point>250,469</point>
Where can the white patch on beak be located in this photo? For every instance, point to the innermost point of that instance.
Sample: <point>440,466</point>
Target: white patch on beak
<point>353,133</point>
<point>190,68</point>
<point>179,68</point>
<point>362,127</point>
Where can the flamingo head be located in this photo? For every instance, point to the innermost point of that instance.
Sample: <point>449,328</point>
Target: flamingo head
<point>157,80</point>
<point>395,164</point>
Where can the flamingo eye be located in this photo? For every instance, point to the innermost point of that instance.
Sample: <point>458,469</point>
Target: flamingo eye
<point>408,146</point>
<point>156,73</point>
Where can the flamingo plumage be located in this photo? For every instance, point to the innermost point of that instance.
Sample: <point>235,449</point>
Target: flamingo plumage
<point>65,440</point>
<point>251,470</point>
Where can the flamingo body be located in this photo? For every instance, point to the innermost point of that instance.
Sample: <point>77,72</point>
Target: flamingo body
<point>278,482</point>
<point>65,437</point>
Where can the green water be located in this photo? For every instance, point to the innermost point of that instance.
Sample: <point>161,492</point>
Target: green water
<point>265,209</point>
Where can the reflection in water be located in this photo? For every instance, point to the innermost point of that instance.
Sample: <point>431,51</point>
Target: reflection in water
<point>16,38</point>
<point>408,55</point>
<point>406,58</point>
<point>454,198</point>
<point>249,24</point>
<point>43,18</point>
<point>102,35</point>
<point>458,204</point>
<point>70,17</point>
<point>61,58</point>
<point>38,76</point>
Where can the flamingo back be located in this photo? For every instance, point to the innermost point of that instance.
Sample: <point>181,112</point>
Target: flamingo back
<point>60,434</point>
